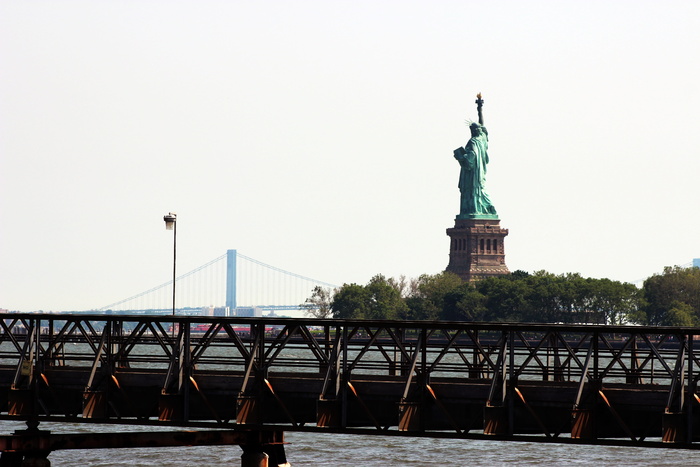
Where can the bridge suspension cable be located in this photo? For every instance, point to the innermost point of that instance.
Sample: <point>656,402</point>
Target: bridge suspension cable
<point>260,263</point>
<point>161,286</point>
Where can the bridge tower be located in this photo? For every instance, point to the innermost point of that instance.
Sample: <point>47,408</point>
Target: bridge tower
<point>231,256</point>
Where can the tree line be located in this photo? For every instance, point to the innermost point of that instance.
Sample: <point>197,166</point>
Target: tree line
<point>671,298</point>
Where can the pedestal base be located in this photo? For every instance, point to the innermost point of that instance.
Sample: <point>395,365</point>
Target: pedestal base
<point>477,250</point>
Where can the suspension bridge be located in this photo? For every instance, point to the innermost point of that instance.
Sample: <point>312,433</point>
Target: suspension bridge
<point>229,285</point>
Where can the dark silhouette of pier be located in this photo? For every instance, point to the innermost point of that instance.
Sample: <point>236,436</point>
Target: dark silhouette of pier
<point>257,378</point>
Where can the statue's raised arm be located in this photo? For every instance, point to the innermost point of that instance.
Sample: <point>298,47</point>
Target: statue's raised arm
<point>479,104</point>
<point>473,158</point>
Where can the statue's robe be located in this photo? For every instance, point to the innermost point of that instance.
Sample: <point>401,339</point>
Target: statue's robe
<point>473,159</point>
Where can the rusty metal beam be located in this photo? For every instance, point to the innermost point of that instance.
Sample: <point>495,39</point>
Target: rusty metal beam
<point>56,441</point>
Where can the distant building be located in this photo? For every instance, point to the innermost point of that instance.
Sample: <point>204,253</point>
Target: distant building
<point>249,311</point>
<point>220,311</point>
<point>215,311</point>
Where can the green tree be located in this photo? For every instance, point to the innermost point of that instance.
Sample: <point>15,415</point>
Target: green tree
<point>671,289</point>
<point>465,303</point>
<point>518,297</point>
<point>506,297</point>
<point>612,302</point>
<point>385,301</point>
<point>566,298</point>
<point>379,299</point>
<point>547,293</point>
<point>318,305</point>
<point>427,297</point>
<point>680,314</point>
<point>350,302</point>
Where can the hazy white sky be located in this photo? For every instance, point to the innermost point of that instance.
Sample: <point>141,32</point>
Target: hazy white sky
<point>317,136</point>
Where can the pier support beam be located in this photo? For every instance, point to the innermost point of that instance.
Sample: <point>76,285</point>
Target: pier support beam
<point>255,458</point>
<point>496,420</point>
<point>262,454</point>
<point>673,427</point>
<point>583,424</point>
<point>269,456</point>
<point>30,448</point>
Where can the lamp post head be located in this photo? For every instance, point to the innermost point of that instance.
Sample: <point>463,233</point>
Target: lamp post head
<point>170,220</point>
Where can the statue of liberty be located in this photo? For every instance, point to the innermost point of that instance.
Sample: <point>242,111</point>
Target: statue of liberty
<point>473,158</point>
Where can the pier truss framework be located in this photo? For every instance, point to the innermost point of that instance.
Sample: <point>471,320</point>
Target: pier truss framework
<point>619,385</point>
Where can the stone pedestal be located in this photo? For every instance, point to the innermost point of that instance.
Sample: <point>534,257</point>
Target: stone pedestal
<point>476,249</point>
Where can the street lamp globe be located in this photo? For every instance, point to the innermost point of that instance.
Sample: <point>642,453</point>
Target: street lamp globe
<point>170,220</point>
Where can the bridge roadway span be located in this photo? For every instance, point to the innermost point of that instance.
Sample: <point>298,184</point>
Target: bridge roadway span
<point>259,377</point>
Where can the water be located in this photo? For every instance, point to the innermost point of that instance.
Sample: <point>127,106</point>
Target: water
<point>311,449</point>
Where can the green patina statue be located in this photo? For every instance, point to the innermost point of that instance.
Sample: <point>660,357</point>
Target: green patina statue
<point>473,158</point>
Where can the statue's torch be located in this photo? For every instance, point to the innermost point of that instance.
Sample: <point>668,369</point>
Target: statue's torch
<point>479,103</point>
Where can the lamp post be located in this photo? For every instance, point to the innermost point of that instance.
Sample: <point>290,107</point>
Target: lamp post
<point>171,224</point>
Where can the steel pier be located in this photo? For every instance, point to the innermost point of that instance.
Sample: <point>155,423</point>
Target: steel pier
<point>259,377</point>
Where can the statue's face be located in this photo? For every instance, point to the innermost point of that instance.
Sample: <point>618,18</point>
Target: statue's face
<point>474,129</point>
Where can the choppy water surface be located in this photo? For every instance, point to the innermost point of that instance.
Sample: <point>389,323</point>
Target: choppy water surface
<point>311,449</point>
